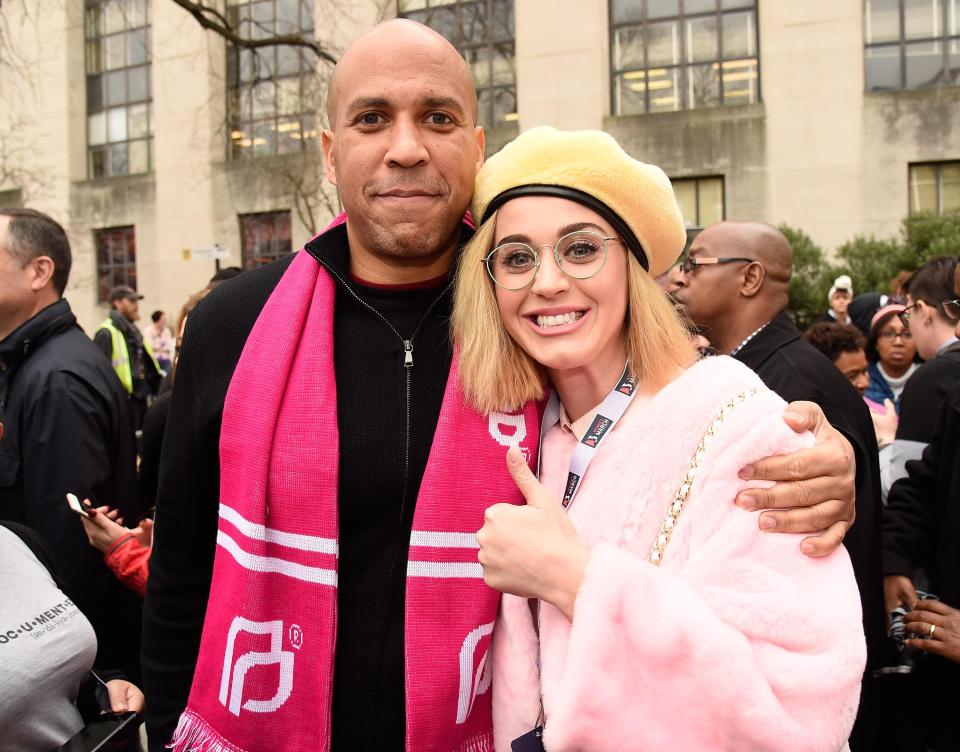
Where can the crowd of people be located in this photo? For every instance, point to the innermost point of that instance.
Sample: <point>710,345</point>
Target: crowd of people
<point>506,458</point>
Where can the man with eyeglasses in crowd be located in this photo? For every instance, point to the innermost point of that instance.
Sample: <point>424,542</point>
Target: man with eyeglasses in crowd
<point>921,525</point>
<point>734,286</point>
<point>928,289</point>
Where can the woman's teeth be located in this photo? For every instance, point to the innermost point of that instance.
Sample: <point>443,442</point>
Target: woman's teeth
<point>564,318</point>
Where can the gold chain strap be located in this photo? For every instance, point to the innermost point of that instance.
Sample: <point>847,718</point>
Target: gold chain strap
<point>683,493</point>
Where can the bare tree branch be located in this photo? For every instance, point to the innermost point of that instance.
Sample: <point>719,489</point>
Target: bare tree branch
<point>213,20</point>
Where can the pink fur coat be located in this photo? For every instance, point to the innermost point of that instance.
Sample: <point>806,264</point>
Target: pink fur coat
<point>737,641</point>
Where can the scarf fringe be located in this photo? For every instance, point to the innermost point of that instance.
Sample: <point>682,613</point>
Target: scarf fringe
<point>193,734</point>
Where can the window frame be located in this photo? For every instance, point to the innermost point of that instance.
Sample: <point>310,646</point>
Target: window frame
<point>127,104</point>
<point>250,261</point>
<point>938,165</point>
<point>130,262</point>
<point>643,25</point>
<point>697,180</point>
<point>242,123</point>
<point>901,44</point>
<point>490,45</point>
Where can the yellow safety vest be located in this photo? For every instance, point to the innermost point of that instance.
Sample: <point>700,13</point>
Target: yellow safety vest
<point>120,358</point>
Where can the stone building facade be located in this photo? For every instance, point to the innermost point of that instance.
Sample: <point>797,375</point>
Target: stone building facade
<point>153,140</point>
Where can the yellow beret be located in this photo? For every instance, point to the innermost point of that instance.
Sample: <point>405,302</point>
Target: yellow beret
<point>589,167</point>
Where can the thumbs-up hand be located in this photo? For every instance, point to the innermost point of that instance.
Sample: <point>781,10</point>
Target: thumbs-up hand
<point>532,551</point>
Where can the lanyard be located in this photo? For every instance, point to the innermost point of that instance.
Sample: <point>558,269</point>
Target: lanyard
<point>608,415</point>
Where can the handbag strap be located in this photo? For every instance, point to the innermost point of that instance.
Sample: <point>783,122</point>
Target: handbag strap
<point>682,495</point>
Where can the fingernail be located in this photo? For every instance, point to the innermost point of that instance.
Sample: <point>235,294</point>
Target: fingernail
<point>746,502</point>
<point>808,548</point>
<point>92,512</point>
<point>746,473</point>
<point>791,415</point>
<point>767,523</point>
<point>514,455</point>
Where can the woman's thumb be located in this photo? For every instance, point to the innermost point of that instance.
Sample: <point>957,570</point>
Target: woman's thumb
<point>526,481</point>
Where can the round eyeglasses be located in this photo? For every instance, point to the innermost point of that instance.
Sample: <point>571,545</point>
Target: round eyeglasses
<point>579,255</point>
<point>952,308</point>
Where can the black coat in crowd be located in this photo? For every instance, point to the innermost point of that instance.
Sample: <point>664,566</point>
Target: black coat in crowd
<point>796,370</point>
<point>921,527</point>
<point>67,428</point>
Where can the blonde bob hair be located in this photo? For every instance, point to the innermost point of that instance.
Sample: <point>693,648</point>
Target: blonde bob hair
<point>497,375</point>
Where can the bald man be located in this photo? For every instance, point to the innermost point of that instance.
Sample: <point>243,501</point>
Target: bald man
<point>403,149</point>
<point>734,285</point>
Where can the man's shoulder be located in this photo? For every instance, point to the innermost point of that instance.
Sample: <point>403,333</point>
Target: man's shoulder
<point>218,328</point>
<point>803,367</point>
<point>805,373</point>
<point>236,304</point>
<point>940,371</point>
<point>68,367</point>
<point>70,351</point>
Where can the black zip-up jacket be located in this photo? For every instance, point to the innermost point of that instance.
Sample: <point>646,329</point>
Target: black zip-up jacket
<point>67,428</point>
<point>921,527</point>
<point>796,370</point>
<point>379,477</point>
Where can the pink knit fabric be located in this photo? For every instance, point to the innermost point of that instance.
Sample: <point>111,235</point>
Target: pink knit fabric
<point>737,641</point>
<point>264,676</point>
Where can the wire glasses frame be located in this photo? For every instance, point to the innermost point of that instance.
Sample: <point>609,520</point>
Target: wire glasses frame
<point>888,335</point>
<point>688,264</point>
<point>904,315</point>
<point>581,254</point>
<point>952,308</point>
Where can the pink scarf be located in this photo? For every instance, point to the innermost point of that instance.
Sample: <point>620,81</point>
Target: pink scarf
<point>265,671</point>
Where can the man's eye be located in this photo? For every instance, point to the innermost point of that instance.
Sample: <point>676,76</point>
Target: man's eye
<point>370,118</point>
<point>439,118</point>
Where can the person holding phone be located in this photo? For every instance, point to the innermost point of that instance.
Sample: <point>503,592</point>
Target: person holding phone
<point>47,649</point>
<point>663,616</point>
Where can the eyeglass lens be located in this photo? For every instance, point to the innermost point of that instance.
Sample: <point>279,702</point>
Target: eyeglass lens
<point>889,335</point>
<point>579,254</point>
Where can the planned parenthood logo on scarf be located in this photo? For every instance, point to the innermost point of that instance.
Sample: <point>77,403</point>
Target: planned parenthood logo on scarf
<point>235,668</point>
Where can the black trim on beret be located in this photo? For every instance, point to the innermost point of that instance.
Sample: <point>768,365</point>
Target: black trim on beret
<point>591,202</point>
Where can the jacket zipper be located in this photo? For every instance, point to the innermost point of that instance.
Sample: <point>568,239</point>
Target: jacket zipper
<point>407,362</point>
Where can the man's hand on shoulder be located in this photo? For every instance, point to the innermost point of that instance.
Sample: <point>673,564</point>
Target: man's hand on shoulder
<point>815,488</point>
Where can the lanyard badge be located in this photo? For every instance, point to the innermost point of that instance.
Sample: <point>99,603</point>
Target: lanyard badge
<point>532,741</point>
<point>608,415</point>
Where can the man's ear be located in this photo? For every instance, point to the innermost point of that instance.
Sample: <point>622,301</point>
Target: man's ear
<point>481,145</point>
<point>42,269</point>
<point>754,275</point>
<point>326,137</point>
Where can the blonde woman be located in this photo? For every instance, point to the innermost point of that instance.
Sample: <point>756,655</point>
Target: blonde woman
<point>643,609</point>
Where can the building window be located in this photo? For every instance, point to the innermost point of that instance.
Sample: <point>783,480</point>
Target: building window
<point>483,32</point>
<point>935,187</point>
<point>683,54</point>
<point>11,199</point>
<point>264,237</point>
<point>116,259</point>
<point>911,44</point>
<point>272,91</point>
<point>119,117</point>
<point>701,200</point>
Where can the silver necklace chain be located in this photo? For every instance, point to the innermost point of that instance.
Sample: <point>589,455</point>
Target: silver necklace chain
<point>743,344</point>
